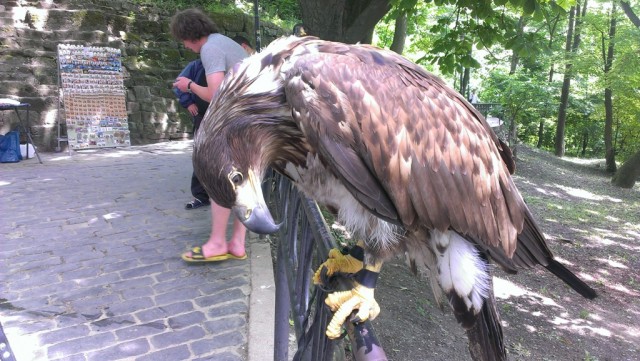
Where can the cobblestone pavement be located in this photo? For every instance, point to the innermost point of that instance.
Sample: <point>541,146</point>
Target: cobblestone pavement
<point>90,266</point>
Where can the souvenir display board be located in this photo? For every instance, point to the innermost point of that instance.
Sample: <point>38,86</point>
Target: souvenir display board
<point>93,94</point>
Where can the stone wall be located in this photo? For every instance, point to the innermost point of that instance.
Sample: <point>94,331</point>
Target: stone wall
<point>30,31</point>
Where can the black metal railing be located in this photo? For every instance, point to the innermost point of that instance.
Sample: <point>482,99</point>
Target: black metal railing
<point>302,244</point>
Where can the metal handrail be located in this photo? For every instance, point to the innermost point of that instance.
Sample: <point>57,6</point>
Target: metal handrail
<point>304,242</point>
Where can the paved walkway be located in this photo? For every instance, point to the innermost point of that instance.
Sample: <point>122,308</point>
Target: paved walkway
<point>90,266</point>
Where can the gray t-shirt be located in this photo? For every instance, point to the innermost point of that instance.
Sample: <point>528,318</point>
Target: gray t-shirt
<point>220,53</point>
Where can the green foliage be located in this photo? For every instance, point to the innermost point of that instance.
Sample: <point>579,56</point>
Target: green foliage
<point>495,37</point>
<point>284,10</point>
<point>284,13</point>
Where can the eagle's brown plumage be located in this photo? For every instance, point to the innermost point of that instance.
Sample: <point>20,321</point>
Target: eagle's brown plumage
<point>410,165</point>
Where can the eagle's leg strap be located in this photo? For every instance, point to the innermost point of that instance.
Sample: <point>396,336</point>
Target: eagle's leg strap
<point>339,262</point>
<point>360,297</point>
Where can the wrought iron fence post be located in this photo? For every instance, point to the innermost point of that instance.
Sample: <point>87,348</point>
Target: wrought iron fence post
<point>303,238</point>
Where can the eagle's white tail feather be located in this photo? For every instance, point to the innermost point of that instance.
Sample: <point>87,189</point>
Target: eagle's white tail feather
<point>460,269</point>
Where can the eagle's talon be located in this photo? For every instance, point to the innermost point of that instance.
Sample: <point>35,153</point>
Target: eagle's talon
<point>343,303</point>
<point>337,262</point>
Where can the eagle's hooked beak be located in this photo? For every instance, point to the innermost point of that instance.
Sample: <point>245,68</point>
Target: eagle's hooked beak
<point>251,209</point>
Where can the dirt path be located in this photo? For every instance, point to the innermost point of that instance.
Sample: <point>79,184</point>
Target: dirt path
<point>592,227</point>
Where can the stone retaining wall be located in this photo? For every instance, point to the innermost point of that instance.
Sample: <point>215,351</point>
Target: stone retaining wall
<point>30,31</point>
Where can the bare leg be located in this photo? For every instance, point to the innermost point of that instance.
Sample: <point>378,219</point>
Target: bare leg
<point>236,243</point>
<point>217,244</point>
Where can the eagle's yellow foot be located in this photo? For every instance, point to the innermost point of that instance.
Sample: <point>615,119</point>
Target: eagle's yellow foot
<point>343,303</point>
<point>339,262</point>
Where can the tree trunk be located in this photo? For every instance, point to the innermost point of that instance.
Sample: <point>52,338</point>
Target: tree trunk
<point>464,82</point>
<point>573,42</point>
<point>515,58</point>
<point>628,173</point>
<point>348,21</point>
<point>610,154</point>
<point>630,14</point>
<point>585,143</point>
<point>400,34</point>
<point>552,30</point>
<point>564,95</point>
<point>540,134</point>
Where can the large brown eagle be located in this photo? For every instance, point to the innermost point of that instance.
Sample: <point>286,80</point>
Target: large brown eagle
<point>410,166</point>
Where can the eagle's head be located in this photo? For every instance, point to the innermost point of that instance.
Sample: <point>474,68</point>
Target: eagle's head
<point>247,129</point>
<point>230,161</point>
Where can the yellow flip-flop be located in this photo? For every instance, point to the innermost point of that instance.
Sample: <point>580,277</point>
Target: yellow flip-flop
<point>197,256</point>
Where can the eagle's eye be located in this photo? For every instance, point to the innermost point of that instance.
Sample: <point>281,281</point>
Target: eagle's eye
<point>236,178</point>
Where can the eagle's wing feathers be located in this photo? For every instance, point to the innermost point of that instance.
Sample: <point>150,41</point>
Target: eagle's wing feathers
<point>332,137</point>
<point>409,148</point>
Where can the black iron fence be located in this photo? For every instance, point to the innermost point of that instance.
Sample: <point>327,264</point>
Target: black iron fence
<point>302,244</point>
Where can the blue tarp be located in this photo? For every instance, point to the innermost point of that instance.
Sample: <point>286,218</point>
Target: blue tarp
<point>10,147</point>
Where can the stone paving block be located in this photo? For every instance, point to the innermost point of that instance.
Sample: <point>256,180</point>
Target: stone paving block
<point>103,279</point>
<point>80,345</point>
<point>94,305</point>
<point>132,283</point>
<point>222,285</point>
<point>164,311</point>
<point>120,265</point>
<point>173,353</point>
<point>74,319</point>
<point>141,330</point>
<point>79,357</point>
<point>111,250</point>
<point>36,281</point>
<point>221,297</point>
<point>25,325</point>
<point>174,337</point>
<point>177,295</point>
<point>223,325</point>
<point>112,323</point>
<point>130,305</point>
<point>121,351</point>
<point>186,320</point>
<point>71,291</point>
<point>132,293</point>
<point>79,255</point>
<point>143,271</point>
<point>175,274</point>
<point>227,309</point>
<point>223,356</point>
<point>64,334</point>
<point>81,273</point>
<point>205,346</point>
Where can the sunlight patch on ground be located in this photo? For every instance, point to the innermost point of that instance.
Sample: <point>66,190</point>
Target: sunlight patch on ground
<point>620,288</point>
<point>564,261</point>
<point>581,193</point>
<point>612,219</point>
<point>600,331</point>
<point>580,325</point>
<point>623,241</point>
<point>121,154</point>
<point>584,161</point>
<point>23,345</point>
<point>505,289</point>
<point>171,147</point>
<point>111,215</point>
<point>611,263</point>
<point>547,192</point>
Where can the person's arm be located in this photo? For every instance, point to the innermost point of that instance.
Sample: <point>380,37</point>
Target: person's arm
<point>184,98</point>
<point>205,93</point>
<point>213,83</point>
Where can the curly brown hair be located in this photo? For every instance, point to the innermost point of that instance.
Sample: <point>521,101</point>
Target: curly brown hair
<point>192,24</point>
